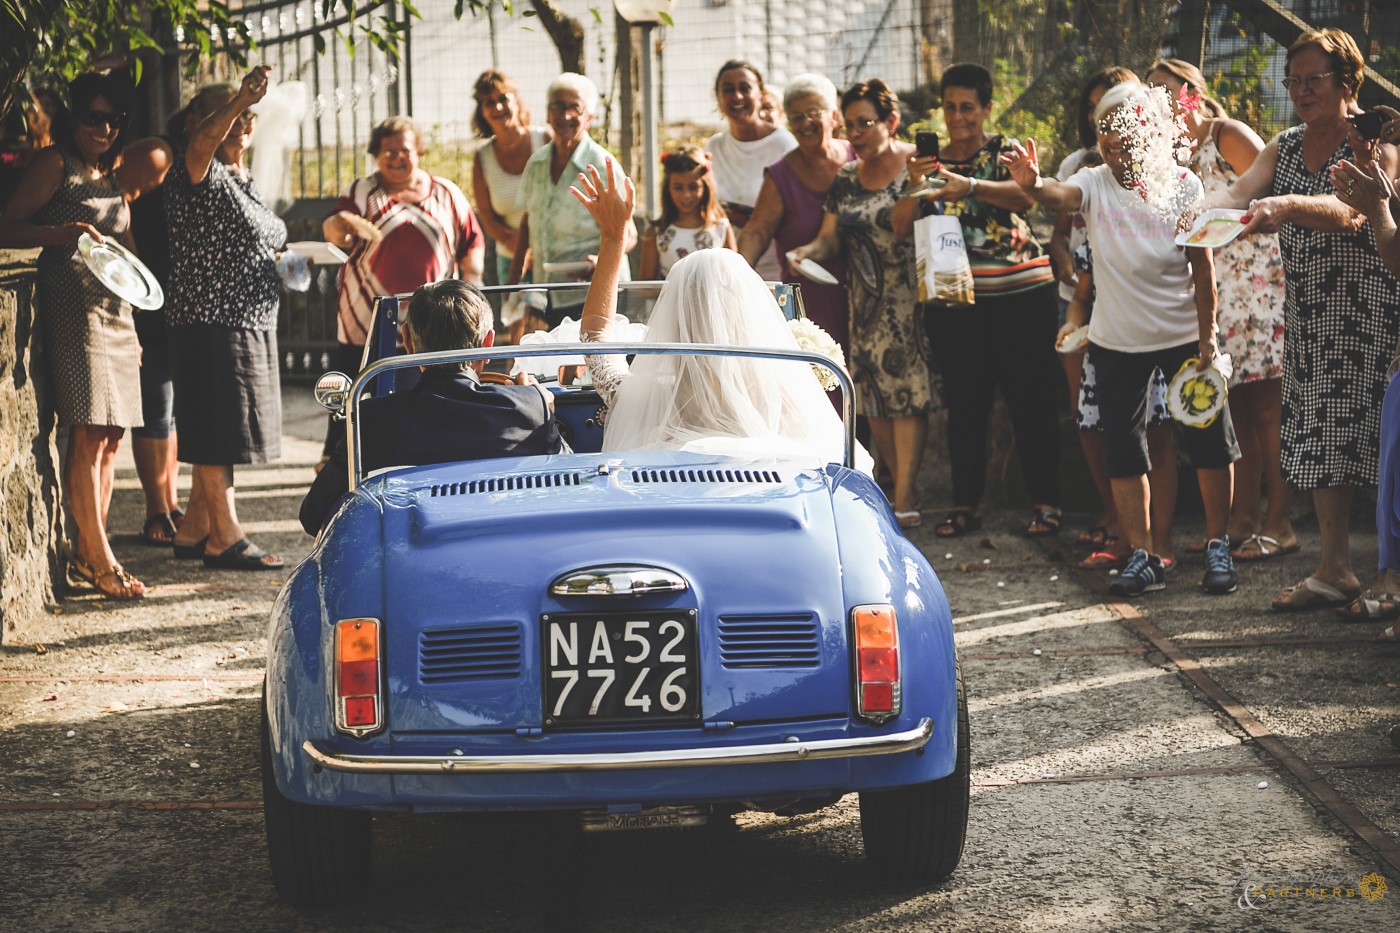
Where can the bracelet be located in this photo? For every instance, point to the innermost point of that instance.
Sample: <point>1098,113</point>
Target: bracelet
<point>972,186</point>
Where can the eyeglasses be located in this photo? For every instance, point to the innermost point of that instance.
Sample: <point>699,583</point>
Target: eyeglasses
<point>1311,82</point>
<point>859,126</point>
<point>799,117</point>
<point>102,118</point>
<point>570,107</point>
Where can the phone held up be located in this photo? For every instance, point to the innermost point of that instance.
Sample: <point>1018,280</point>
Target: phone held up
<point>1368,124</point>
<point>926,144</point>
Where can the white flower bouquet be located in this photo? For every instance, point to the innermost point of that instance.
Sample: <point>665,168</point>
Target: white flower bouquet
<point>811,337</point>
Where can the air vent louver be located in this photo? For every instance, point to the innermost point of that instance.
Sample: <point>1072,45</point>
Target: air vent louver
<point>786,641</point>
<point>507,484</point>
<point>490,652</point>
<point>705,476</point>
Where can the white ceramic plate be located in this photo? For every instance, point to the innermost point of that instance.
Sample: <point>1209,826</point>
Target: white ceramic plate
<point>319,252</point>
<point>122,273</point>
<point>812,270</point>
<point>1213,228</point>
<point>1196,398</point>
<point>1075,341</point>
<point>568,268</point>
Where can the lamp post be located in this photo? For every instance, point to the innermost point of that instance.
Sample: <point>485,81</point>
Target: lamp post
<point>647,14</point>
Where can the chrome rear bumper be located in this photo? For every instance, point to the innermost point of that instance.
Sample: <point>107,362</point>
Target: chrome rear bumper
<point>891,744</point>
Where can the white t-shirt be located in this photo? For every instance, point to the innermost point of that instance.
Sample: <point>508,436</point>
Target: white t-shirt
<point>1071,164</point>
<point>1144,298</point>
<point>739,169</point>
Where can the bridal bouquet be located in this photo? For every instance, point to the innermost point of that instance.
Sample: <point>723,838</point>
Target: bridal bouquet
<point>811,337</point>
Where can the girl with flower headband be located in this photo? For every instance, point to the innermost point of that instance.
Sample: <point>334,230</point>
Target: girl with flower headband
<point>691,215</point>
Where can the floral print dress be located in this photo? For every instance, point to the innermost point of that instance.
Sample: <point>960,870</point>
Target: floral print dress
<point>889,354</point>
<point>1249,281</point>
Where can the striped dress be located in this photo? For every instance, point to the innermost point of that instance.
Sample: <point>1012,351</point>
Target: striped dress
<point>422,243</point>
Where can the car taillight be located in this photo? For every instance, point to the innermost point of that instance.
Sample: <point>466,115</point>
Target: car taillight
<point>358,709</point>
<point>876,640</point>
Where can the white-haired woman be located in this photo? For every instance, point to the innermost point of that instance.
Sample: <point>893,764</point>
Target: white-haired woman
<point>789,208</point>
<point>745,148</point>
<point>556,227</point>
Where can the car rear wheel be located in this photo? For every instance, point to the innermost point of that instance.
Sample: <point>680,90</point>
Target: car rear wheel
<point>319,855</point>
<point>917,832</point>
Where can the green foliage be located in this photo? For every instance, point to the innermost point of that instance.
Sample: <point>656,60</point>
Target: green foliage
<point>1242,88</point>
<point>1008,84</point>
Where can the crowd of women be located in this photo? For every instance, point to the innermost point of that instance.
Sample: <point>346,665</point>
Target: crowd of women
<point>838,186</point>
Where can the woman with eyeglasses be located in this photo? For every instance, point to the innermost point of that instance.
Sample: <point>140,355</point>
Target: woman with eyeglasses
<point>888,359</point>
<point>562,236</point>
<point>68,191</point>
<point>222,315</point>
<point>744,149</point>
<point>1341,308</point>
<point>788,212</point>
<point>502,119</point>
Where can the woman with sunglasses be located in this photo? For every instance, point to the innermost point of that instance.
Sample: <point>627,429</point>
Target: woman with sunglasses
<point>1341,311</point>
<point>68,191</point>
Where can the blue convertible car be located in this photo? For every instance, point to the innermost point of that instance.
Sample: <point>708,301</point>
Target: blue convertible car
<point>644,639</point>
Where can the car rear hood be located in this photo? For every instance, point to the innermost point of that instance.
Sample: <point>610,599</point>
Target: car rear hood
<point>474,553</point>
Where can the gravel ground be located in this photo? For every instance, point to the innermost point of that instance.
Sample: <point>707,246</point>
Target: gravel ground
<point>1110,792</point>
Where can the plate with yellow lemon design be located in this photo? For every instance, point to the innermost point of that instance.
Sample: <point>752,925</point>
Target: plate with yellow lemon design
<point>1196,397</point>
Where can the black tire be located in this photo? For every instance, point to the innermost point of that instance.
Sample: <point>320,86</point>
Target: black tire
<point>319,855</point>
<point>916,833</point>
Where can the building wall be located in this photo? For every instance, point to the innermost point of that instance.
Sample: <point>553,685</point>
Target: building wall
<point>30,517</point>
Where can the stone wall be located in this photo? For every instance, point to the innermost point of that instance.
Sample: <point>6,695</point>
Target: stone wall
<point>31,520</point>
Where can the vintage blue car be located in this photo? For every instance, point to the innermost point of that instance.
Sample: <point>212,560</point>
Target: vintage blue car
<point>648,639</point>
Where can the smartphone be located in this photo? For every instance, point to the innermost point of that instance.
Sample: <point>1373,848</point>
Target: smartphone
<point>927,144</point>
<point>1368,124</point>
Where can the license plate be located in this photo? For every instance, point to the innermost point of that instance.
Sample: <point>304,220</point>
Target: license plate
<point>602,667</point>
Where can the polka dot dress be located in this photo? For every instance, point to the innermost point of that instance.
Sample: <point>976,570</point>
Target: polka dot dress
<point>89,335</point>
<point>1341,320</point>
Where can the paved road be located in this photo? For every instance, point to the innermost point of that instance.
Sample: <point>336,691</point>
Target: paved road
<point>1121,755</point>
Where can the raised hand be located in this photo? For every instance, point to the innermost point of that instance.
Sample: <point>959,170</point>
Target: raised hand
<point>1362,189</point>
<point>255,83</point>
<point>1023,163</point>
<point>609,203</point>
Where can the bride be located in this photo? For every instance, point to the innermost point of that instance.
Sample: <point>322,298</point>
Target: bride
<point>712,404</point>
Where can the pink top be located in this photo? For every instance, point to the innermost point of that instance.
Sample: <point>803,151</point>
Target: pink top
<point>802,221</point>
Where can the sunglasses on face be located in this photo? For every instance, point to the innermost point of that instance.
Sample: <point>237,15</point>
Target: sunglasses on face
<point>96,119</point>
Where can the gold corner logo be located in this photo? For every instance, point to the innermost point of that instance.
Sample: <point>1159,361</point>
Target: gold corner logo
<point>1373,886</point>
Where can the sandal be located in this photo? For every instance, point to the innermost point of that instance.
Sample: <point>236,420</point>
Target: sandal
<point>1262,547</point>
<point>1095,537</point>
<point>1312,593</point>
<point>1371,607</point>
<point>911,519</point>
<point>958,523</point>
<point>190,551</point>
<point>1044,523</point>
<point>1104,560</point>
<point>113,584</point>
<point>159,530</point>
<point>244,555</point>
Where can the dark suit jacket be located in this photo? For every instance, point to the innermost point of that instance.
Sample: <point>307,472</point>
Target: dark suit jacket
<point>446,417</point>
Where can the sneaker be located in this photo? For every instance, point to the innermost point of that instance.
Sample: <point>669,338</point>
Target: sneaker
<point>1220,574</point>
<point>1144,574</point>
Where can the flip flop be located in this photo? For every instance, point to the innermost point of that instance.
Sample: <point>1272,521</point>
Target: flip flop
<point>243,555</point>
<point>1264,547</point>
<point>1043,524</point>
<point>159,530</point>
<point>1312,593</point>
<point>1371,607</point>
<point>1104,560</point>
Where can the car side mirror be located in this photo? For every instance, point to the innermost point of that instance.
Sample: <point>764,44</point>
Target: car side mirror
<point>332,392</point>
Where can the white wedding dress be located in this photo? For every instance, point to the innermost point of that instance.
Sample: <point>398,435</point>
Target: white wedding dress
<point>744,407</point>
